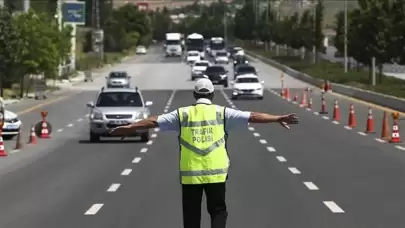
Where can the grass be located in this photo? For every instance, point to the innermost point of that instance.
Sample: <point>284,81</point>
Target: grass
<point>334,72</point>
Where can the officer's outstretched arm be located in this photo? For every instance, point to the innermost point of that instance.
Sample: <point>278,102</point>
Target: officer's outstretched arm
<point>150,122</point>
<point>284,120</point>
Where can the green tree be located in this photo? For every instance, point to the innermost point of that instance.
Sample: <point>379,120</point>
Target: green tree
<point>245,20</point>
<point>318,36</point>
<point>340,32</point>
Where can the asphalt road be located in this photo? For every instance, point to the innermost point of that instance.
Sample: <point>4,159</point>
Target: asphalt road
<point>317,175</point>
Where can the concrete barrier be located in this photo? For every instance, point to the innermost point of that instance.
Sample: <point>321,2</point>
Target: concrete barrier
<point>369,96</point>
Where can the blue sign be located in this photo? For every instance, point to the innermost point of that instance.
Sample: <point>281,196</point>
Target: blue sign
<point>74,13</point>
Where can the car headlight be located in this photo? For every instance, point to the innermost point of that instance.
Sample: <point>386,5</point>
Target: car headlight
<point>142,116</point>
<point>224,75</point>
<point>96,116</point>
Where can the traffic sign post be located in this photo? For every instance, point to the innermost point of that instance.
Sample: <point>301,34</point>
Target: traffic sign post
<point>74,13</point>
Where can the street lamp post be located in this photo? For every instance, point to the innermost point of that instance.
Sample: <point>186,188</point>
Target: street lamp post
<point>345,38</point>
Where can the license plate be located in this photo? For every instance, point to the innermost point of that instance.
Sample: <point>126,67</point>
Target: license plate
<point>11,126</point>
<point>119,122</point>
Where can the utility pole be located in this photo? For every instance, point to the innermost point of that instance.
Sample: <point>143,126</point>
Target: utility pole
<point>26,5</point>
<point>100,41</point>
<point>59,19</point>
<point>345,38</point>
<point>314,41</point>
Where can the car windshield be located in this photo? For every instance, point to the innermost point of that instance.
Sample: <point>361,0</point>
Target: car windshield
<point>201,64</point>
<point>119,99</point>
<point>118,75</point>
<point>141,47</point>
<point>247,80</point>
<point>215,69</point>
<point>192,54</point>
<point>242,70</point>
<point>221,54</point>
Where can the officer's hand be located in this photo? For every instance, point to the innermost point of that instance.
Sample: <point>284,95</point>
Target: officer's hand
<point>120,131</point>
<point>285,120</point>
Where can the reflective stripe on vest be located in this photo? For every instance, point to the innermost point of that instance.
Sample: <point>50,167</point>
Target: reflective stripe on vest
<point>203,157</point>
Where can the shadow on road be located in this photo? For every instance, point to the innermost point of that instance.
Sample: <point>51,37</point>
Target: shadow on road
<point>109,141</point>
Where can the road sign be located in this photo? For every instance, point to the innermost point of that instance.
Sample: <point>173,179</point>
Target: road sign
<point>74,13</point>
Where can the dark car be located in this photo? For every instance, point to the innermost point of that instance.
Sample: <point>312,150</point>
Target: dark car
<point>240,59</point>
<point>244,69</point>
<point>217,74</point>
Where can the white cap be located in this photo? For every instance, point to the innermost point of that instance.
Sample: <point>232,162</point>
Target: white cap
<point>204,86</point>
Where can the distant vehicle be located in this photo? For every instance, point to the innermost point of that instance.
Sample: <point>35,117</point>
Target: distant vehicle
<point>173,44</point>
<point>244,69</point>
<point>12,125</point>
<point>217,74</point>
<point>216,44</point>
<point>247,85</point>
<point>195,42</point>
<point>240,59</point>
<point>118,79</point>
<point>235,51</point>
<point>117,107</point>
<point>192,57</point>
<point>197,70</point>
<point>221,57</point>
<point>141,50</point>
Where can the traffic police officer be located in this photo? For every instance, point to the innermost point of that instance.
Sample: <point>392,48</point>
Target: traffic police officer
<point>204,162</point>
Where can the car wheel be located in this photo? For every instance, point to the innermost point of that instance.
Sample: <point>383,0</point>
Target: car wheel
<point>145,137</point>
<point>8,137</point>
<point>94,137</point>
<point>226,85</point>
<point>260,98</point>
<point>234,98</point>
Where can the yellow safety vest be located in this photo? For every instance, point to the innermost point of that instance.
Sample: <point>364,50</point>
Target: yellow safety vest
<point>203,156</point>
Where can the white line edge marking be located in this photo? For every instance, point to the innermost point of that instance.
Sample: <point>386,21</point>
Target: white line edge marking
<point>333,207</point>
<point>361,133</point>
<point>94,209</point>
<point>271,149</point>
<point>143,150</point>
<point>294,170</point>
<point>136,160</point>
<point>126,172</point>
<point>113,187</point>
<point>60,130</point>
<point>70,125</point>
<point>262,141</point>
<point>311,186</point>
<point>281,159</point>
<point>400,148</point>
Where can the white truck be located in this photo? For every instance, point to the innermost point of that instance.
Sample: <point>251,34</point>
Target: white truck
<point>216,44</point>
<point>195,42</point>
<point>173,45</point>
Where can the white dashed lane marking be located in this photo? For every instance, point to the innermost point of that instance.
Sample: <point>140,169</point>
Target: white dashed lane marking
<point>136,160</point>
<point>335,122</point>
<point>153,135</point>
<point>113,188</point>
<point>157,129</point>
<point>348,128</point>
<point>60,130</point>
<point>251,128</point>
<point>87,115</point>
<point>361,133</point>
<point>333,207</point>
<point>150,142</point>
<point>256,134</point>
<point>325,117</point>
<point>281,159</point>
<point>400,148</point>
<point>294,170</point>
<point>70,125</point>
<point>311,186</point>
<point>262,141</point>
<point>380,140</point>
<point>143,150</point>
<point>271,149</point>
<point>126,172</point>
<point>79,120</point>
<point>94,209</point>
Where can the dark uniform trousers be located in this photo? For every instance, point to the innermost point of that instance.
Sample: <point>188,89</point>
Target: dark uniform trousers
<point>216,206</point>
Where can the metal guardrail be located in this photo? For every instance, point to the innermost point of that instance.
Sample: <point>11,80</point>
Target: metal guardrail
<point>373,97</point>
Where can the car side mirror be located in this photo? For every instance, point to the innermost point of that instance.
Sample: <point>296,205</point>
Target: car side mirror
<point>148,103</point>
<point>90,104</point>
<point>262,82</point>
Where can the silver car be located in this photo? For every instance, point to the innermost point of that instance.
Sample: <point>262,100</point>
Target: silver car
<point>118,79</point>
<point>117,107</point>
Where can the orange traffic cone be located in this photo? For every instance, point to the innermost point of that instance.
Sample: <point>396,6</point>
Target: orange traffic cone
<point>287,94</point>
<point>370,122</point>
<point>33,136</point>
<point>309,107</point>
<point>18,144</point>
<point>3,152</point>
<point>44,131</point>
<point>352,117</point>
<point>323,107</point>
<point>336,111</point>
<point>385,134</point>
<point>395,138</point>
<point>303,100</point>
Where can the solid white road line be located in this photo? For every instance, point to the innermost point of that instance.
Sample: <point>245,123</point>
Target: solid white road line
<point>94,209</point>
<point>256,134</point>
<point>271,149</point>
<point>281,159</point>
<point>333,207</point>
<point>136,160</point>
<point>262,141</point>
<point>149,142</point>
<point>294,170</point>
<point>126,172</point>
<point>311,186</point>
<point>113,188</point>
<point>143,150</point>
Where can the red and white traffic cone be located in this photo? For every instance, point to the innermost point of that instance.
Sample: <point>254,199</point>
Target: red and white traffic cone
<point>323,107</point>
<point>3,152</point>
<point>370,122</point>
<point>33,136</point>
<point>395,138</point>
<point>44,131</point>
